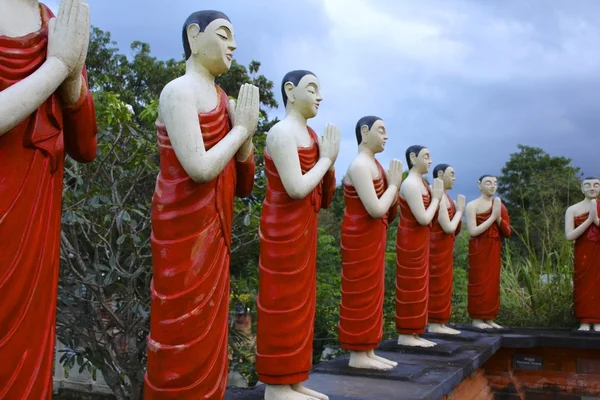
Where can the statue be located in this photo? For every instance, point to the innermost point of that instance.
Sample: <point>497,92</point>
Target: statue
<point>441,253</point>
<point>371,204</point>
<point>300,181</point>
<point>45,112</point>
<point>418,206</point>
<point>206,158</point>
<point>488,222</point>
<point>582,226</point>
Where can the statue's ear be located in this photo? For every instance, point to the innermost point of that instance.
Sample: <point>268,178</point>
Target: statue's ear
<point>289,91</point>
<point>193,31</point>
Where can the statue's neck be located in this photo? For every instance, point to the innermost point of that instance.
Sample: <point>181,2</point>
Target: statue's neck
<point>193,67</point>
<point>486,197</point>
<point>414,172</point>
<point>363,149</point>
<point>295,116</point>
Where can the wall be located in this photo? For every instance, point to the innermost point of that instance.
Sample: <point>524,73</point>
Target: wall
<point>475,387</point>
<point>544,373</point>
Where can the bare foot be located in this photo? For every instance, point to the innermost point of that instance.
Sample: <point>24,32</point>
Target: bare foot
<point>584,327</point>
<point>443,329</point>
<point>478,323</point>
<point>410,340</point>
<point>284,392</point>
<point>361,359</point>
<point>596,327</point>
<point>298,387</point>
<point>427,343</point>
<point>371,354</point>
<point>493,324</point>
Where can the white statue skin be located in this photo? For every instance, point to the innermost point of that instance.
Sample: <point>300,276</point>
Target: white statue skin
<point>195,93</point>
<point>487,187</point>
<point>283,141</point>
<point>590,189</point>
<point>449,226</point>
<point>68,38</point>
<point>363,170</point>
<point>413,190</point>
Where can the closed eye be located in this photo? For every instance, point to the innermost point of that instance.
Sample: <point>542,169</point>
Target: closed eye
<point>222,36</point>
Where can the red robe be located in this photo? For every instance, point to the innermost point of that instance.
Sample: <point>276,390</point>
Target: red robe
<point>32,156</point>
<point>485,256</point>
<point>191,247</point>
<point>363,246</point>
<point>441,263</point>
<point>586,279</point>
<point>287,274</point>
<point>412,270</point>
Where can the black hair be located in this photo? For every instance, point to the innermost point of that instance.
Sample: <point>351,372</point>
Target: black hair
<point>369,120</point>
<point>202,18</point>
<point>482,177</point>
<point>438,168</point>
<point>294,77</point>
<point>413,149</point>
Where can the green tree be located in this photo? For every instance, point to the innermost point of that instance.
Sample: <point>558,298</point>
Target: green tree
<point>106,266</point>
<point>537,188</point>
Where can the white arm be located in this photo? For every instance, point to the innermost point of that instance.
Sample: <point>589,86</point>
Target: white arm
<point>361,179</point>
<point>282,148</point>
<point>571,232</point>
<point>24,97</point>
<point>180,117</point>
<point>449,226</point>
<point>472,227</point>
<point>413,196</point>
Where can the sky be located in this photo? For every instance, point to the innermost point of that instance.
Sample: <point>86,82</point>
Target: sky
<point>469,79</point>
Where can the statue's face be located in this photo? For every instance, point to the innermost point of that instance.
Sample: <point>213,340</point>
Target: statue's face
<point>591,188</point>
<point>214,47</point>
<point>305,97</point>
<point>448,178</point>
<point>422,161</point>
<point>488,185</point>
<point>375,137</point>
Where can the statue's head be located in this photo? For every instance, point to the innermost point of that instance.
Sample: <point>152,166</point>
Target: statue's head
<point>488,184</point>
<point>446,173</point>
<point>418,157</point>
<point>590,187</point>
<point>301,92</point>
<point>208,38</point>
<point>371,133</point>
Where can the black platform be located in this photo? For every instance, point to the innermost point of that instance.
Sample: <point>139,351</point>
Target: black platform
<point>425,373</point>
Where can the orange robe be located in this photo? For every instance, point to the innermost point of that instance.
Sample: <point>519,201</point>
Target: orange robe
<point>287,274</point>
<point>191,248</point>
<point>586,277</point>
<point>412,270</point>
<point>32,156</point>
<point>485,256</point>
<point>441,263</point>
<point>363,246</point>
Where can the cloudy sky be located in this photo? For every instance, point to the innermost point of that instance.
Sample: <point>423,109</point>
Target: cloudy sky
<point>470,79</point>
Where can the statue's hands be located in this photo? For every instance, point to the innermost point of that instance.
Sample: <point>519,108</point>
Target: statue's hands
<point>497,208</point>
<point>460,203</point>
<point>593,216</point>
<point>438,189</point>
<point>68,36</point>
<point>246,110</point>
<point>329,143</point>
<point>394,174</point>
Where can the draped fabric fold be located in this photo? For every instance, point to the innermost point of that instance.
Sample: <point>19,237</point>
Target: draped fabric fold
<point>485,257</point>
<point>363,245</point>
<point>412,270</point>
<point>441,262</point>
<point>191,248</point>
<point>586,275</point>
<point>287,273</point>
<point>32,155</point>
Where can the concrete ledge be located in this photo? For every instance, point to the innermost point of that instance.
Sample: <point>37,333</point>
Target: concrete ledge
<point>427,374</point>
